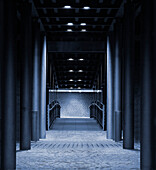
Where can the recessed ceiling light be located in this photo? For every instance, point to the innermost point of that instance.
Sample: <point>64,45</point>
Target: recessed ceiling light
<point>70,24</point>
<point>83,30</point>
<point>71,70</point>
<point>71,87</point>
<point>81,59</point>
<point>67,7</point>
<point>79,80</point>
<point>69,30</point>
<point>79,87</point>
<point>83,24</point>
<point>70,59</point>
<point>86,7</point>
<point>80,71</point>
<point>71,80</point>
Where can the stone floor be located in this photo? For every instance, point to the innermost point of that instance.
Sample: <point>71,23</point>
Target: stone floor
<point>77,144</point>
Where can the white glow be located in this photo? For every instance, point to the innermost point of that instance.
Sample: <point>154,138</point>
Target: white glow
<point>74,91</point>
<point>71,87</point>
<point>70,24</point>
<point>70,59</point>
<point>80,71</point>
<point>69,30</point>
<point>81,59</point>
<point>71,70</point>
<point>79,87</point>
<point>83,24</point>
<point>86,7</point>
<point>67,7</point>
<point>83,30</point>
<point>79,80</point>
<point>71,80</point>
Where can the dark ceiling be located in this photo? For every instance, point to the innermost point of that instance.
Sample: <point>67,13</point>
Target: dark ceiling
<point>77,24</point>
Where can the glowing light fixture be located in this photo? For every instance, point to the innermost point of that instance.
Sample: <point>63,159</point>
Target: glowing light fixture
<point>67,7</point>
<point>70,59</point>
<point>81,59</point>
<point>79,87</point>
<point>79,80</point>
<point>71,70</point>
<point>83,24</point>
<point>86,7</point>
<point>70,24</point>
<point>69,30</point>
<point>83,30</point>
<point>71,80</point>
<point>80,71</point>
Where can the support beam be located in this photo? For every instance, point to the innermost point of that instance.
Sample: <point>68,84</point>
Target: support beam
<point>128,131</point>
<point>1,56</point>
<point>36,82</point>
<point>148,116</point>
<point>25,131</point>
<point>110,71</point>
<point>43,90</point>
<point>117,81</point>
<point>9,87</point>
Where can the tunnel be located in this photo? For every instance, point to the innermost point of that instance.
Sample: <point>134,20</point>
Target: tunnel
<point>77,84</point>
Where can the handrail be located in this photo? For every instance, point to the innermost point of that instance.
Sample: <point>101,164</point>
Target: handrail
<point>96,105</point>
<point>97,115</point>
<point>52,112</point>
<point>54,106</point>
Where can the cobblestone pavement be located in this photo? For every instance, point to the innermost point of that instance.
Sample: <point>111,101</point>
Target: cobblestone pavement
<point>77,144</point>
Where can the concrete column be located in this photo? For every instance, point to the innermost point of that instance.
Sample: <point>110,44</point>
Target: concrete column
<point>25,131</point>
<point>110,102</point>
<point>117,81</point>
<point>148,116</point>
<point>43,91</point>
<point>9,87</point>
<point>1,56</point>
<point>36,82</point>
<point>128,131</point>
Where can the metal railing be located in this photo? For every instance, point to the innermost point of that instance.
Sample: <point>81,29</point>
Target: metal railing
<point>53,112</point>
<point>97,111</point>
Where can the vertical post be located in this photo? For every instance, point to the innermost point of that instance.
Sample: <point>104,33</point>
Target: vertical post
<point>43,91</point>
<point>25,131</point>
<point>148,116</point>
<point>35,82</point>
<point>117,81</point>
<point>1,56</point>
<point>128,131</point>
<point>110,105</point>
<point>9,87</point>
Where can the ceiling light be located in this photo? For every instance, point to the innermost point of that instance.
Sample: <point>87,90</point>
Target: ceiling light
<point>83,30</point>
<point>70,24</point>
<point>79,87</point>
<point>70,59</point>
<point>71,80</point>
<point>80,71</point>
<point>83,24</point>
<point>71,87</point>
<point>69,30</point>
<point>81,59</point>
<point>86,7</point>
<point>67,7</point>
<point>79,80</point>
<point>71,70</point>
<point>70,91</point>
